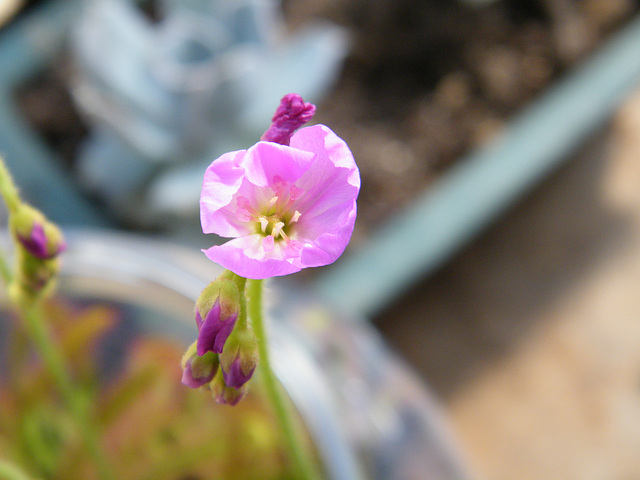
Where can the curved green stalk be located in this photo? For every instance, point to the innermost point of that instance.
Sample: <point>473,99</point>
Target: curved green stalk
<point>11,198</point>
<point>8,188</point>
<point>52,357</point>
<point>305,465</point>
<point>5,271</point>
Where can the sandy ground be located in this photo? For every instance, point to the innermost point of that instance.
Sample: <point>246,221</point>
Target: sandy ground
<point>531,336</point>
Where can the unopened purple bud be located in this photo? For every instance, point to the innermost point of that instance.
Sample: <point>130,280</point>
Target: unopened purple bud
<point>229,395</point>
<point>237,376</point>
<point>220,305</point>
<point>291,114</point>
<point>214,330</point>
<point>240,356</point>
<point>224,393</point>
<point>39,237</point>
<point>36,243</point>
<point>190,379</point>
<point>198,370</point>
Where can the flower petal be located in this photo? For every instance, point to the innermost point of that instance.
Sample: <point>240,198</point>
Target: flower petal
<point>331,188</point>
<point>221,182</point>
<point>321,140</point>
<point>333,176</point>
<point>266,161</point>
<point>327,247</point>
<point>199,371</point>
<point>189,380</point>
<point>245,256</point>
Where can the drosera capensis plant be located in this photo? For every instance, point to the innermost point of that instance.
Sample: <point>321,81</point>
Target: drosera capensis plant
<point>286,203</point>
<point>38,246</point>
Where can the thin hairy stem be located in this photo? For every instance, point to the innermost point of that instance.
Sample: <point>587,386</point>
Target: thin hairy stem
<point>307,468</point>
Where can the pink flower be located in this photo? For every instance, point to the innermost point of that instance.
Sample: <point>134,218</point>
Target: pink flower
<point>286,207</point>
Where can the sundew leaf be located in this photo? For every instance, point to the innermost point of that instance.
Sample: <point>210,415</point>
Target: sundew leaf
<point>125,393</point>
<point>80,341</point>
<point>150,425</point>
<point>168,431</point>
<point>45,433</point>
<point>79,330</point>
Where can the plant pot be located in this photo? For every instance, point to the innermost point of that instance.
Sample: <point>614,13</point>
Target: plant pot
<point>366,413</point>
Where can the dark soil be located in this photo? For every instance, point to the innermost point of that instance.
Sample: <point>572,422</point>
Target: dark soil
<point>428,81</point>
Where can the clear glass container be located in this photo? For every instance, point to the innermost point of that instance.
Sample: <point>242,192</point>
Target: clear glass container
<point>369,415</point>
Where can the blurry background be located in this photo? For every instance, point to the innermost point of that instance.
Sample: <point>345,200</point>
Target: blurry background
<point>529,335</point>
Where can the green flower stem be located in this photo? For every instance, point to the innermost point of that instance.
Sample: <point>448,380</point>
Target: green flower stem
<point>8,188</point>
<point>9,192</point>
<point>306,467</point>
<point>9,471</point>
<point>5,271</point>
<point>52,357</point>
<point>76,402</point>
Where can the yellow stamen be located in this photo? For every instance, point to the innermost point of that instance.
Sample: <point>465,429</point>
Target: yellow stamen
<point>277,230</point>
<point>264,223</point>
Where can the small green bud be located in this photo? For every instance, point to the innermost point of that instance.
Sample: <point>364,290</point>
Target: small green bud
<point>39,243</point>
<point>34,277</point>
<point>239,357</point>
<point>37,236</point>
<point>198,370</point>
<point>224,393</point>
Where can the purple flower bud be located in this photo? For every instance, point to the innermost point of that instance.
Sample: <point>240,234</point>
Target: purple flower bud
<point>198,370</point>
<point>225,394</point>
<point>190,379</point>
<point>290,115</point>
<point>214,330</point>
<point>39,237</point>
<point>219,302</point>
<point>239,359</point>
<point>236,376</point>
<point>36,243</point>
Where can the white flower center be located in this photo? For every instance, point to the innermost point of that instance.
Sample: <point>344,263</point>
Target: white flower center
<point>277,219</point>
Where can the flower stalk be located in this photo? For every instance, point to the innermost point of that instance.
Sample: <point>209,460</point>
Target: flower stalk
<point>286,203</point>
<point>8,188</point>
<point>306,467</point>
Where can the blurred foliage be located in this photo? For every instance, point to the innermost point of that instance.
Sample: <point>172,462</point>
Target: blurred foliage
<point>152,427</point>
